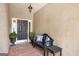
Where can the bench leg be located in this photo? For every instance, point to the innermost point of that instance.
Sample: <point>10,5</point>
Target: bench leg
<point>44,52</point>
<point>47,52</point>
<point>53,53</point>
<point>61,52</point>
<point>33,45</point>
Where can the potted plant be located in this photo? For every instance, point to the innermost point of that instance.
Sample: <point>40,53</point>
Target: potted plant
<point>31,36</point>
<point>12,37</point>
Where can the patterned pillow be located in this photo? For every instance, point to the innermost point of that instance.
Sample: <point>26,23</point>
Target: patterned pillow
<point>47,41</point>
<point>39,38</point>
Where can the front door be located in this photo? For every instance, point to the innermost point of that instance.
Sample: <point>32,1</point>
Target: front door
<point>22,30</point>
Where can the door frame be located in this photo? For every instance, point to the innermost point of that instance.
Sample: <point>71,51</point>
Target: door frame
<point>14,28</point>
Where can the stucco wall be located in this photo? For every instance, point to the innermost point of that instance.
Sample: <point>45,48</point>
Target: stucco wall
<point>61,22</point>
<point>4,39</point>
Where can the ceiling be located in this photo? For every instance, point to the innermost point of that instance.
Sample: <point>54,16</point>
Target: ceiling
<point>36,6</point>
<point>20,10</point>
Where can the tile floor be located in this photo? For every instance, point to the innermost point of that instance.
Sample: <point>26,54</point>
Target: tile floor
<point>25,49</point>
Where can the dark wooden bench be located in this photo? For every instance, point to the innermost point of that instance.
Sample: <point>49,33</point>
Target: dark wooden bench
<point>53,49</point>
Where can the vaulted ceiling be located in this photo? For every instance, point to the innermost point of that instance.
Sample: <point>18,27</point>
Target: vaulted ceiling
<point>20,10</point>
<point>37,6</point>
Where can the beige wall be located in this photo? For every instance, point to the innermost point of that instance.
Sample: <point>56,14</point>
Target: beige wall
<point>4,39</point>
<point>60,21</point>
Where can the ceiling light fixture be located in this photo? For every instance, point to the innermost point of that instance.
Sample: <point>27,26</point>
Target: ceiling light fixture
<point>30,8</point>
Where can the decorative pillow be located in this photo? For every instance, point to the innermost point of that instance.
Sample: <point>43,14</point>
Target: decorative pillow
<point>47,41</point>
<point>39,38</point>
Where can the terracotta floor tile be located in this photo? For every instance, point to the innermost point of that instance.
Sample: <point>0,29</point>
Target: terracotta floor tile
<point>25,49</point>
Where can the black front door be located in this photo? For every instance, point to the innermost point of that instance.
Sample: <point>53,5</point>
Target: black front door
<point>22,30</point>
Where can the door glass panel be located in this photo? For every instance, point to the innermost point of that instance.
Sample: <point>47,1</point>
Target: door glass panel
<point>22,29</point>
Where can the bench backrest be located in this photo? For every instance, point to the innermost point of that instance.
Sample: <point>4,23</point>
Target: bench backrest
<point>44,39</point>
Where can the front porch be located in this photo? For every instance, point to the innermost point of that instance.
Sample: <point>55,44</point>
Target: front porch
<point>26,49</point>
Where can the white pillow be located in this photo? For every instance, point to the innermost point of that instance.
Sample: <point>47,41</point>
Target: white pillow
<point>47,39</point>
<point>47,43</point>
<point>39,38</point>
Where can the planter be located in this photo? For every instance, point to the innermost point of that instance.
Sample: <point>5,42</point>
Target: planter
<point>13,40</point>
<point>31,35</point>
<point>12,37</point>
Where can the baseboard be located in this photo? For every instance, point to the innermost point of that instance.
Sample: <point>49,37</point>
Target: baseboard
<point>3,54</point>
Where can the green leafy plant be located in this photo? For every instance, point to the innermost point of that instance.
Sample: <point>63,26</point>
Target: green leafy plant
<point>12,37</point>
<point>31,35</point>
